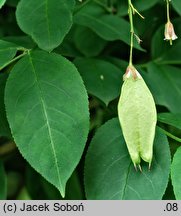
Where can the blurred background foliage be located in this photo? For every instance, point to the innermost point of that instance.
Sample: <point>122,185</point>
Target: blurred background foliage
<point>98,44</point>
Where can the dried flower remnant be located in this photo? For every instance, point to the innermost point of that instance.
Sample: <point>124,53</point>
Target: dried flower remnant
<point>169,32</point>
<point>169,29</point>
<point>131,72</point>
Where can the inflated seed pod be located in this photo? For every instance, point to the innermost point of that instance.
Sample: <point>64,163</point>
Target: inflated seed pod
<point>137,116</point>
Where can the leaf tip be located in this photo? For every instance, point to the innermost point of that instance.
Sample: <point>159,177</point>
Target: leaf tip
<point>62,192</point>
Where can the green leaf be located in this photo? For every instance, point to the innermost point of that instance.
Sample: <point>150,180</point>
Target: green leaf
<point>73,190</point>
<point>3,191</point>
<point>39,19</point>
<point>89,43</point>
<point>109,27</point>
<point>44,190</point>
<point>102,79</point>
<point>172,55</point>
<point>122,64</point>
<point>176,174</point>
<point>173,119</point>
<point>2,2</point>
<point>12,3</point>
<point>7,52</point>
<point>169,194</point>
<point>109,173</point>
<point>37,191</point>
<point>4,127</point>
<point>177,6</point>
<point>164,82</point>
<point>47,110</point>
<point>138,4</point>
<point>161,50</point>
<point>158,45</point>
<point>67,47</point>
<point>24,41</point>
<point>147,27</point>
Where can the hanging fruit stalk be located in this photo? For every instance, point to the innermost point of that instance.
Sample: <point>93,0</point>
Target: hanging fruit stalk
<point>169,28</point>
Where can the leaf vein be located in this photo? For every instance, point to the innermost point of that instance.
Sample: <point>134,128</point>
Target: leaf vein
<point>62,113</point>
<point>60,89</point>
<point>44,108</point>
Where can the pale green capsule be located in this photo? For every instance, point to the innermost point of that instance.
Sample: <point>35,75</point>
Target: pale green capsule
<point>137,116</point>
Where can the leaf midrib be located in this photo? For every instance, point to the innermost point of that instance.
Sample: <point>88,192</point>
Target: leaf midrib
<point>47,120</point>
<point>126,182</point>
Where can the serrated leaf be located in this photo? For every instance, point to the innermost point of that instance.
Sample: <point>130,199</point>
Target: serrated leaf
<point>173,119</point>
<point>176,174</point>
<point>4,127</point>
<point>3,190</point>
<point>7,52</point>
<point>73,190</point>
<point>39,19</point>
<point>107,26</point>
<point>32,176</point>
<point>2,2</point>
<point>47,110</point>
<point>102,79</point>
<point>45,190</point>
<point>164,82</point>
<point>109,173</point>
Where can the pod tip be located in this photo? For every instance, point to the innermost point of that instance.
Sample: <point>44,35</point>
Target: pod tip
<point>135,167</point>
<point>149,167</point>
<point>140,168</point>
